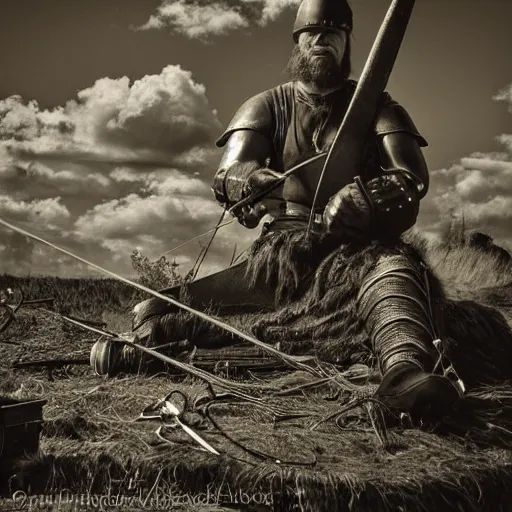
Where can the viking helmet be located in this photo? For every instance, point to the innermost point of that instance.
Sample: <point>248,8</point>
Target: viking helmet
<point>327,14</point>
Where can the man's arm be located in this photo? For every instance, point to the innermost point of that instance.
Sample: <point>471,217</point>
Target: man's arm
<point>247,151</point>
<point>387,205</point>
<point>400,144</point>
<point>405,179</point>
<point>248,155</point>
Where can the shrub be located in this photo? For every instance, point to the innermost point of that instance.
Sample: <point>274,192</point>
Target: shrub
<point>157,274</point>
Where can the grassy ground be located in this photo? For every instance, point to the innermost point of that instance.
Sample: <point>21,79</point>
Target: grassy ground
<point>89,445</point>
<point>92,445</point>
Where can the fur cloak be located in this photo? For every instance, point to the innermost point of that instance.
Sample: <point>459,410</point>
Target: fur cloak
<point>316,282</point>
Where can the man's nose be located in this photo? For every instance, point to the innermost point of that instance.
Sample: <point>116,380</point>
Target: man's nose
<point>320,38</point>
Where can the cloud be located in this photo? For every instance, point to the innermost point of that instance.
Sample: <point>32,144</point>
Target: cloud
<point>46,213</point>
<point>25,180</point>
<point>168,209</point>
<point>198,19</point>
<point>173,209</point>
<point>123,165</point>
<point>156,120</point>
<point>18,254</point>
<point>272,9</point>
<point>505,95</point>
<point>479,187</point>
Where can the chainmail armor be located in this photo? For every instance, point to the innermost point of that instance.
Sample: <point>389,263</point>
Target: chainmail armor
<point>394,305</point>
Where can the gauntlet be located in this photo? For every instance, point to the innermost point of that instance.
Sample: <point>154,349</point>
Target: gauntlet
<point>250,215</point>
<point>239,181</point>
<point>383,207</point>
<point>390,192</point>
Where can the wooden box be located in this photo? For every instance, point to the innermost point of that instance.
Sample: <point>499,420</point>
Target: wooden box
<point>20,427</point>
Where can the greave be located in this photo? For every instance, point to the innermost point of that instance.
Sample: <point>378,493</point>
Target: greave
<point>395,306</point>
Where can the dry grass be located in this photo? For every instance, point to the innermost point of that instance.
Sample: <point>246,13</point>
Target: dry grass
<point>91,297</point>
<point>91,443</point>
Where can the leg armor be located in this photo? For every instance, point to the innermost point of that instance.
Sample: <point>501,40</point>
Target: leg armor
<point>394,302</point>
<point>394,306</point>
<point>157,323</point>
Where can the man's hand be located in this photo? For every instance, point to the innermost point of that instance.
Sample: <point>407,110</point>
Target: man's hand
<point>260,180</point>
<point>348,213</point>
<point>250,216</point>
<point>386,208</point>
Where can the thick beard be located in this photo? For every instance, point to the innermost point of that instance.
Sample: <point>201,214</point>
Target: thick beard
<point>324,73</point>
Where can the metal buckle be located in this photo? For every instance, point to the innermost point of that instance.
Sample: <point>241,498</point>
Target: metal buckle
<point>448,370</point>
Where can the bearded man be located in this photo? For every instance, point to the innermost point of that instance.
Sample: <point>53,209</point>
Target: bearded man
<point>286,125</point>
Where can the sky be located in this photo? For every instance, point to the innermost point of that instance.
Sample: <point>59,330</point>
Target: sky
<point>109,112</point>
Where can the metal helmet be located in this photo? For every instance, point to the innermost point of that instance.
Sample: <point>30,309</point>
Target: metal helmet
<point>328,14</point>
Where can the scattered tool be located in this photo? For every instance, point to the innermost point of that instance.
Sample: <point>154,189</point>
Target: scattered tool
<point>171,416</point>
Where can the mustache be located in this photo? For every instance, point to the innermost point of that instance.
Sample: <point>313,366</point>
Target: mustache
<point>315,49</point>
<point>304,66</point>
<point>320,47</point>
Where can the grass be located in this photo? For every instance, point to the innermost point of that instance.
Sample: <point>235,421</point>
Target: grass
<point>91,297</point>
<point>91,443</point>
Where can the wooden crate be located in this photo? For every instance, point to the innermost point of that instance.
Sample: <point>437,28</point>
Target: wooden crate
<point>20,427</point>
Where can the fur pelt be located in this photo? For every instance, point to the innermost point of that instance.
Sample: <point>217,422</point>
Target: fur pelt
<point>316,281</point>
<point>323,318</point>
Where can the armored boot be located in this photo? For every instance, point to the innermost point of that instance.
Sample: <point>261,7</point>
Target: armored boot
<point>110,357</point>
<point>395,304</point>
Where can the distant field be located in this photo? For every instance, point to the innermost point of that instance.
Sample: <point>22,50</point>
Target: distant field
<point>91,296</point>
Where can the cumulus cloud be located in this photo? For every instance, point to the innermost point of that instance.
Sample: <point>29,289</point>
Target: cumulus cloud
<point>41,216</point>
<point>273,8</point>
<point>173,208</point>
<point>45,212</point>
<point>158,119</point>
<point>25,180</point>
<point>200,19</point>
<point>196,21</point>
<point>478,187</point>
<point>124,165</point>
<point>168,207</point>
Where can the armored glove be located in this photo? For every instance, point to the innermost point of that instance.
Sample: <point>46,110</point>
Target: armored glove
<point>348,213</point>
<point>239,181</point>
<point>259,180</point>
<point>263,179</point>
<point>383,207</point>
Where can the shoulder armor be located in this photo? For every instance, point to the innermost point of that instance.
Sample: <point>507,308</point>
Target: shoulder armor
<point>254,114</point>
<point>261,113</point>
<point>393,118</point>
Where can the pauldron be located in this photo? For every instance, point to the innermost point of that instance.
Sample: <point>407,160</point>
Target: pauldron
<point>404,162</point>
<point>393,118</point>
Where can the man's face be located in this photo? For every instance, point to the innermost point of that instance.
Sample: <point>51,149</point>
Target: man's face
<point>317,58</point>
<point>319,45</point>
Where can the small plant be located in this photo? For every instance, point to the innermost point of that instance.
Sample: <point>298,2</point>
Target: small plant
<point>453,229</point>
<point>157,274</point>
